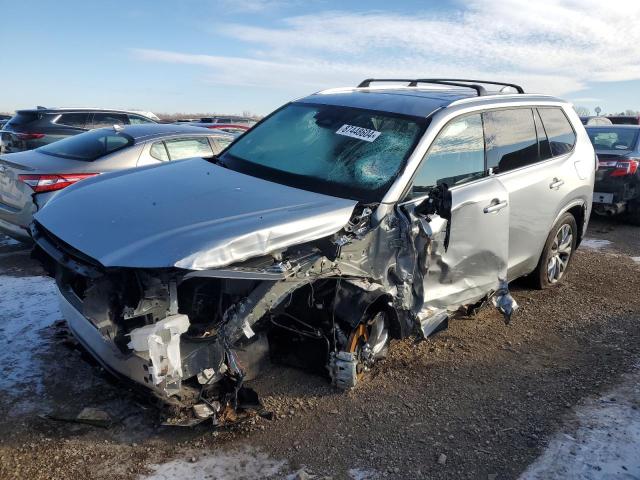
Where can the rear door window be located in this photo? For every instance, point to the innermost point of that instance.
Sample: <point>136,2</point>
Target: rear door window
<point>181,148</point>
<point>561,136</point>
<point>613,138</point>
<point>511,139</point>
<point>109,119</point>
<point>455,157</point>
<point>88,146</point>
<point>76,120</point>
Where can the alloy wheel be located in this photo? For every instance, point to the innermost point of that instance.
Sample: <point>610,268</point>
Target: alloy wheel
<point>560,253</point>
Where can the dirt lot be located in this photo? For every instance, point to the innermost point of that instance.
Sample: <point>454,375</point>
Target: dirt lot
<point>480,400</point>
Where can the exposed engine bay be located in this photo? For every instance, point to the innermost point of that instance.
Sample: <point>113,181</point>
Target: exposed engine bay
<point>329,306</point>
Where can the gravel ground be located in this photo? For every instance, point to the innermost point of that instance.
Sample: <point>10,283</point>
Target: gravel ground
<point>479,400</point>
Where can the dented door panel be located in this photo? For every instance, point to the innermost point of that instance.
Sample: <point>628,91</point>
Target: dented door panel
<point>469,260</point>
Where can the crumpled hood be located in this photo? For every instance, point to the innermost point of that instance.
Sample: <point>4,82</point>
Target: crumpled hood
<point>190,214</point>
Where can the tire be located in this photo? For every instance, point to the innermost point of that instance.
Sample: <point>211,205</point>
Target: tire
<point>633,214</point>
<point>554,261</point>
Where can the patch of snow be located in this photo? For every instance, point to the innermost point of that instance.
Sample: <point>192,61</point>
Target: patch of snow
<point>604,439</point>
<point>244,464</point>
<point>636,259</point>
<point>362,474</point>
<point>8,241</point>
<point>28,305</point>
<point>594,243</point>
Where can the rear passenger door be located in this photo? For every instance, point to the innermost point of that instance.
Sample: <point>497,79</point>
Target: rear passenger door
<point>520,156</point>
<point>467,259</point>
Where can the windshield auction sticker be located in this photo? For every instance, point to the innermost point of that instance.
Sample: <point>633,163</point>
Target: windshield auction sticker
<point>358,132</point>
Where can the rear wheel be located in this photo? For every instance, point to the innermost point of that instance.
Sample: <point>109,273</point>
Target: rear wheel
<point>557,253</point>
<point>633,213</point>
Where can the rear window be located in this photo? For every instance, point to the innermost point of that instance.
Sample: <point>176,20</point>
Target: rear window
<point>561,136</point>
<point>625,120</point>
<point>89,146</point>
<point>22,118</point>
<point>613,138</point>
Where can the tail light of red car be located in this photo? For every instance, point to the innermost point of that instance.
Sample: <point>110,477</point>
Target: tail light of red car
<point>53,182</point>
<point>29,136</point>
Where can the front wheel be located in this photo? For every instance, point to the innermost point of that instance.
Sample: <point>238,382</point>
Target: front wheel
<point>557,253</point>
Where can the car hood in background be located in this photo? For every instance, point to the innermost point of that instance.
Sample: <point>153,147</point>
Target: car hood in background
<point>190,214</point>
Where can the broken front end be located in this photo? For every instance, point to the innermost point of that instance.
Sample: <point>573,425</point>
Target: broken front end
<point>329,305</point>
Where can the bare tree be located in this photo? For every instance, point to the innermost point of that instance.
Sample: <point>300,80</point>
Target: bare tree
<point>582,111</point>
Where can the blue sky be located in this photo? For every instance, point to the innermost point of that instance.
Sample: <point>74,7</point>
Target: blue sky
<point>253,55</point>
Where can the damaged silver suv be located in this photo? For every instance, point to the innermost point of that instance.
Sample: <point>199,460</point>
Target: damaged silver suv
<point>340,221</point>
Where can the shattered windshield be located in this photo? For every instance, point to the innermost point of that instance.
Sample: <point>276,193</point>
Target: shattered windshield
<point>340,151</point>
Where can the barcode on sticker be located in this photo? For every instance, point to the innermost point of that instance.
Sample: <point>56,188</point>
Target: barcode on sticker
<point>358,132</point>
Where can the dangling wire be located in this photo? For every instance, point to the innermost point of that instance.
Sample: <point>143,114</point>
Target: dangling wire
<point>333,316</point>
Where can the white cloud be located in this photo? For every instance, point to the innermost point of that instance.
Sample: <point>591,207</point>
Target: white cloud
<point>251,6</point>
<point>550,46</point>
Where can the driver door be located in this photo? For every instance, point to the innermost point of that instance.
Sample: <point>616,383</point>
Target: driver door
<point>467,222</point>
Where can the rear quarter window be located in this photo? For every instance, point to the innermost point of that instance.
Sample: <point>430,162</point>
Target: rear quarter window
<point>89,146</point>
<point>22,118</point>
<point>182,148</point>
<point>139,120</point>
<point>559,131</point>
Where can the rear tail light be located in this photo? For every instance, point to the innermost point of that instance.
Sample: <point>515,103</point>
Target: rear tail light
<point>626,167</point>
<point>52,182</point>
<point>29,136</point>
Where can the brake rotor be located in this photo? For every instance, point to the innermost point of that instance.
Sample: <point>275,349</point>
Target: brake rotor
<point>369,341</point>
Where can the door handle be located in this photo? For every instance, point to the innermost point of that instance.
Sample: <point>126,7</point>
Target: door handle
<point>495,206</point>
<point>557,183</point>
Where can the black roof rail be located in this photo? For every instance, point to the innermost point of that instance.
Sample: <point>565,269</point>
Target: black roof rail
<point>367,82</point>
<point>517,88</point>
<point>454,82</point>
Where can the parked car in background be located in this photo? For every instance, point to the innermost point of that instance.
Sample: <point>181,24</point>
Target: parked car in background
<point>224,127</point>
<point>4,119</point>
<point>229,120</point>
<point>33,128</point>
<point>624,119</point>
<point>29,179</point>
<point>226,124</point>
<point>617,186</point>
<point>342,220</point>
<point>595,121</point>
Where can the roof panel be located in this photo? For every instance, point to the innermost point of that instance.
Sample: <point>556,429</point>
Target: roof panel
<point>414,101</point>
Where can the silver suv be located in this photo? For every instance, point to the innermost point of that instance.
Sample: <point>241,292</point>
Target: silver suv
<point>341,220</point>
